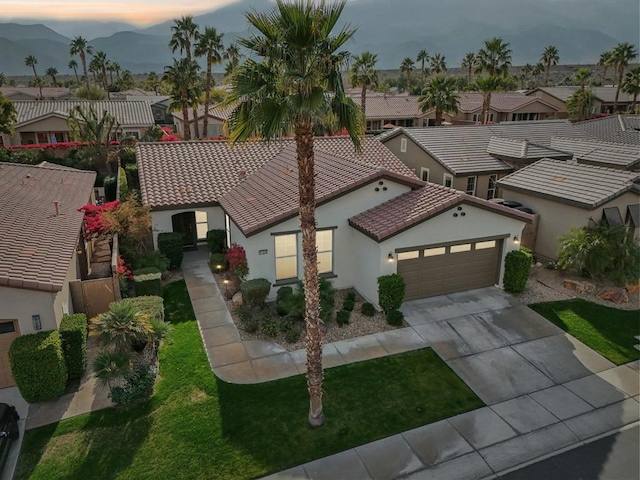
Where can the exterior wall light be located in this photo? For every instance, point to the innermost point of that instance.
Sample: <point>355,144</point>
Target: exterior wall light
<point>37,324</point>
<point>516,240</point>
<point>390,257</point>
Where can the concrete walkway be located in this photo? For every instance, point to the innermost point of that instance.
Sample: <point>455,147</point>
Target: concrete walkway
<point>237,361</point>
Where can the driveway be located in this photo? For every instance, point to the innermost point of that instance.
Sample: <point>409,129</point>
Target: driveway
<point>11,396</point>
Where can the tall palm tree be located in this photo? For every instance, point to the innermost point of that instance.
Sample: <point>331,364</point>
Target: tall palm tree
<point>209,45</point>
<point>296,85</point>
<point>469,62</point>
<point>605,63</point>
<point>32,61</point>
<point>440,93</point>
<point>549,57</point>
<point>38,82</point>
<point>525,71</point>
<point>423,56</point>
<point>233,55</point>
<point>116,68</point>
<point>94,68</point>
<point>486,86</point>
<point>73,65</point>
<point>582,77</point>
<point>623,53</point>
<point>407,66</point>
<point>52,72</point>
<point>153,82</point>
<point>101,62</point>
<point>182,75</point>
<point>437,64</point>
<point>80,46</point>
<point>185,34</point>
<point>537,71</point>
<point>631,85</point>
<point>110,69</point>
<point>494,57</point>
<point>363,74</point>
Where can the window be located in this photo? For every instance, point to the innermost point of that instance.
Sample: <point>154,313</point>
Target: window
<point>471,185</point>
<point>227,229</point>
<point>424,174</point>
<point>491,191</point>
<point>324,243</point>
<point>286,252</point>
<point>447,180</point>
<point>465,247</point>
<point>432,252</point>
<point>403,145</point>
<point>201,225</point>
<point>408,255</point>
<point>484,245</point>
<point>7,327</point>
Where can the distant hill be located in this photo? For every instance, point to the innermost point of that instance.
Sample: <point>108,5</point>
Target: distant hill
<point>394,29</point>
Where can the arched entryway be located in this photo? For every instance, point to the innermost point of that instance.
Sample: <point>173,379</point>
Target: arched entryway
<point>192,225</point>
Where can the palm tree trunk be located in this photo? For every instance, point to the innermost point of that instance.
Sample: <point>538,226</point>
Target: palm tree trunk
<point>111,76</point>
<point>34,71</point>
<point>196,131</point>
<point>620,75</point>
<point>184,99</point>
<point>363,101</point>
<point>207,98</point>
<point>469,76</point>
<point>546,73</point>
<point>421,71</point>
<point>486,102</point>
<point>409,82</point>
<point>306,181</point>
<point>84,68</point>
<point>604,75</point>
<point>438,117</point>
<point>634,103</point>
<point>75,72</point>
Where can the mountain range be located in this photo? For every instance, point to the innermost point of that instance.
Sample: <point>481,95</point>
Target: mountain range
<point>394,29</point>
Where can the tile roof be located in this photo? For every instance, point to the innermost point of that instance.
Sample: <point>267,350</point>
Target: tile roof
<point>126,113</point>
<point>47,92</point>
<point>411,208</point>
<point>584,186</point>
<point>500,102</point>
<point>271,196</point>
<point>599,152</point>
<point>219,111</point>
<point>390,107</point>
<point>615,128</point>
<point>36,246</point>
<point>174,174</point>
<point>604,94</point>
<point>522,149</point>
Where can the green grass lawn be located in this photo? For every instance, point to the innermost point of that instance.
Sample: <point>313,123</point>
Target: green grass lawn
<point>198,427</point>
<point>607,330</point>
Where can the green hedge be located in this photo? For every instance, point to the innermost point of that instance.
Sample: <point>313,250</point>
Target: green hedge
<point>517,266</point>
<point>170,244</point>
<point>153,259</point>
<point>38,366</point>
<point>124,187</point>
<point>216,241</point>
<point>395,318</point>
<point>148,283</point>
<point>152,305</point>
<point>255,291</point>
<point>73,332</point>
<point>368,309</point>
<point>390,292</point>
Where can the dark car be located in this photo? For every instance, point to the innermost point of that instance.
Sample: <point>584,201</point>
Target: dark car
<point>525,209</point>
<point>8,430</point>
<point>511,203</point>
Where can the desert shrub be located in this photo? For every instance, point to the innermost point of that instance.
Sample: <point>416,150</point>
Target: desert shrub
<point>73,332</point>
<point>517,265</point>
<point>136,388</point>
<point>170,245</point>
<point>236,258</point>
<point>390,291</point>
<point>218,262</point>
<point>351,296</point>
<point>348,304</point>
<point>293,335</point>
<point>368,309</point>
<point>249,319</point>
<point>155,259</point>
<point>326,309</point>
<point>269,327</point>
<point>255,291</point>
<point>38,366</point>
<point>283,293</point>
<point>342,317</point>
<point>216,240</point>
<point>395,318</point>
<point>150,305</point>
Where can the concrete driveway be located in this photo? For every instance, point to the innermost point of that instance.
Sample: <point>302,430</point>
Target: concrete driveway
<point>11,396</point>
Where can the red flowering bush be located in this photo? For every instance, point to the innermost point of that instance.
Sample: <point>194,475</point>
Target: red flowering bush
<point>52,146</point>
<point>236,258</point>
<point>95,220</point>
<point>122,270</point>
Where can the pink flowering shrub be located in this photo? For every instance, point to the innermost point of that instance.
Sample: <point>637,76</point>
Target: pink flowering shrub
<point>236,258</point>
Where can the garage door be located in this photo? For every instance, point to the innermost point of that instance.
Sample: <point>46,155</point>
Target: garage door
<point>8,332</point>
<point>431,271</point>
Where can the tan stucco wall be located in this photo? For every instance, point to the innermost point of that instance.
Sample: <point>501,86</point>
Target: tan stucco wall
<point>53,124</point>
<point>551,100</point>
<point>62,303</point>
<point>212,121</point>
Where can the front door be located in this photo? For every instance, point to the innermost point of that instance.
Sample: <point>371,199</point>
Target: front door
<point>185,223</point>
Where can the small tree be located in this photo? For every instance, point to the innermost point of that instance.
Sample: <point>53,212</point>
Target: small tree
<point>86,125</point>
<point>8,115</point>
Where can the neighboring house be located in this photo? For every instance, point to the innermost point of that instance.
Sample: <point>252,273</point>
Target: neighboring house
<point>374,217</point>
<point>569,194</point>
<point>603,101</point>
<point>33,93</point>
<point>504,107</point>
<point>598,152</point>
<point>218,115</point>
<point>473,158</point>
<point>385,111</point>
<point>623,129</point>
<point>46,121</point>
<point>40,237</point>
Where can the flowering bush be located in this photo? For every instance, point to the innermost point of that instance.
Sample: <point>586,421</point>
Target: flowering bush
<point>236,258</point>
<point>122,270</point>
<point>95,220</point>
<point>53,146</point>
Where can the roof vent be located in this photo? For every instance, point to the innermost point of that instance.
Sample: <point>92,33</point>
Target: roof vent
<point>56,208</point>
<point>559,179</point>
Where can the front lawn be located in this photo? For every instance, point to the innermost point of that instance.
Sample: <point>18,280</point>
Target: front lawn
<point>607,330</point>
<point>198,427</point>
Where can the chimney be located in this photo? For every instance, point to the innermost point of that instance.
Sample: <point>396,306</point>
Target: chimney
<point>56,206</point>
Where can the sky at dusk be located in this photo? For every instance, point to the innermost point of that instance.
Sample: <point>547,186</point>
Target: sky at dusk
<point>139,12</point>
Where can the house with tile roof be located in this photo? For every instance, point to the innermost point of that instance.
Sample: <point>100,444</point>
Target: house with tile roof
<point>374,216</point>
<point>571,194</point>
<point>46,121</point>
<point>40,237</point>
<point>622,129</point>
<point>218,116</point>
<point>33,93</point>
<point>603,101</point>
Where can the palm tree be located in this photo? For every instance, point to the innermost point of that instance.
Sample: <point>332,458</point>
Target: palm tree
<point>423,56</point>
<point>153,82</point>
<point>549,57</point>
<point>52,72</point>
<point>363,74</point>
<point>407,66</point>
<point>209,45</point>
<point>233,55</point>
<point>3,79</point>
<point>296,86</point>
<point>121,327</point>
<point>116,68</point>
<point>631,86</point>
<point>537,71</point>
<point>111,367</point>
<point>80,46</point>
<point>437,64</point>
<point>440,93</point>
<point>605,63</point>
<point>494,58</point>
<point>582,78</point>
<point>623,53</point>
<point>486,86</point>
<point>110,70</point>
<point>182,75</point>
<point>185,33</point>
<point>525,71</point>
<point>101,62</point>
<point>94,68</point>
<point>469,62</point>
<point>32,61</point>
<point>73,65</point>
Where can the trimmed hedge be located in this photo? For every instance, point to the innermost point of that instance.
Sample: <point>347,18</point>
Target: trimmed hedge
<point>218,260</point>
<point>148,283</point>
<point>348,304</point>
<point>517,266</point>
<point>368,309</point>
<point>73,332</point>
<point>170,244</point>
<point>154,259</point>
<point>216,240</point>
<point>151,305</point>
<point>395,318</point>
<point>390,292</point>
<point>38,366</point>
<point>255,291</point>
<point>145,271</point>
<point>342,317</point>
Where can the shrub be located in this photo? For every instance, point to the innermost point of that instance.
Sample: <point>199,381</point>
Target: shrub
<point>145,271</point>
<point>124,187</point>
<point>351,296</point>
<point>216,241</point>
<point>342,317</point>
<point>390,292</point>
<point>236,258</point>
<point>155,259</point>
<point>249,321</point>
<point>255,291</point>
<point>348,304</point>
<point>170,245</point>
<point>395,318</point>
<point>269,327</point>
<point>217,262</point>
<point>368,309</point>
<point>138,387</point>
<point>73,332</point>
<point>149,305</point>
<point>326,309</point>
<point>110,187</point>
<point>292,305</point>
<point>517,265</point>
<point>148,283</point>
<point>293,335</point>
<point>38,366</point>
<point>283,293</point>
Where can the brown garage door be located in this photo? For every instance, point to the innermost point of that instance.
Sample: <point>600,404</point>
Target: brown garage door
<point>8,332</point>
<point>431,271</point>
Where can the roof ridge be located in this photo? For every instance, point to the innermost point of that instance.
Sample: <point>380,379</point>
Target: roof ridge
<point>40,166</point>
